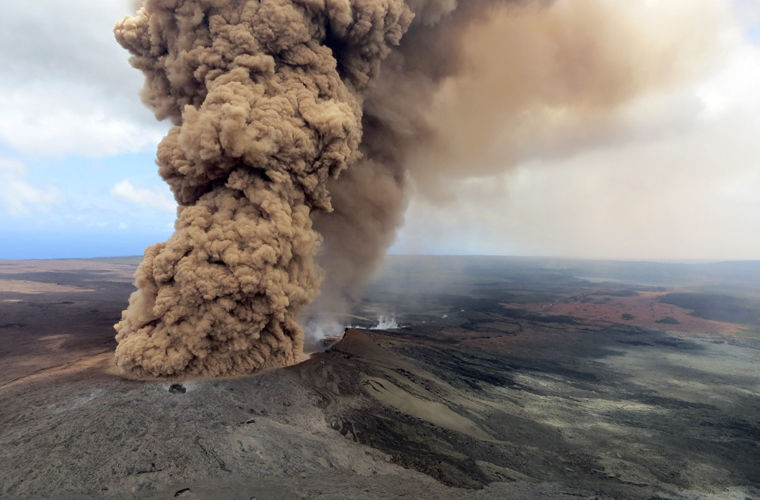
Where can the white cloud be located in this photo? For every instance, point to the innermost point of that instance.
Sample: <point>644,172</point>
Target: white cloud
<point>151,198</point>
<point>18,196</point>
<point>66,87</point>
<point>35,124</point>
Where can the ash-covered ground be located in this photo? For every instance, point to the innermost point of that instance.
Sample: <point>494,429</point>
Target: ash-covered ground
<point>506,378</point>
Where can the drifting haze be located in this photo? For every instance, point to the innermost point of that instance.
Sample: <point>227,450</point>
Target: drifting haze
<point>631,128</point>
<point>490,86</point>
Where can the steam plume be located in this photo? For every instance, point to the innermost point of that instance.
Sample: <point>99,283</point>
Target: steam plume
<point>299,125</point>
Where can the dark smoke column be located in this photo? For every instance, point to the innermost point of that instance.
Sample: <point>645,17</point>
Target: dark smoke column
<point>266,97</point>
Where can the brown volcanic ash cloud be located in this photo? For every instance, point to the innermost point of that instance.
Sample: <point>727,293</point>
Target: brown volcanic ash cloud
<point>273,101</point>
<point>264,116</point>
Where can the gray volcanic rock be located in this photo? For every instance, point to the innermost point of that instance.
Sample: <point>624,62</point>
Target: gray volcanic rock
<point>177,389</point>
<point>91,434</point>
<point>509,383</point>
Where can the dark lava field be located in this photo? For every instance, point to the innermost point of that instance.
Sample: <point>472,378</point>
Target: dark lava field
<point>460,377</point>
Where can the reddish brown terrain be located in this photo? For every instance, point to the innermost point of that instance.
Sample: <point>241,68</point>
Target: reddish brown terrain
<point>643,309</point>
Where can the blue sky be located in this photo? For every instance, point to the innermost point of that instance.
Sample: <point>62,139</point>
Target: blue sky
<point>87,215</point>
<point>78,178</point>
<point>82,208</point>
<point>77,170</point>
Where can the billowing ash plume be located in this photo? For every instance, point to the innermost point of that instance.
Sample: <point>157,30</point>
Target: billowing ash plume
<point>298,124</point>
<point>267,101</point>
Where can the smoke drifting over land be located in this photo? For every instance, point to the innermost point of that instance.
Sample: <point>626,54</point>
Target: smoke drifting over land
<point>299,126</point>
<point>476,87</point>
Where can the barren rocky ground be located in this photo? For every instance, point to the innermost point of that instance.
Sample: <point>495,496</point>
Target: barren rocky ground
<point>505,378</point>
